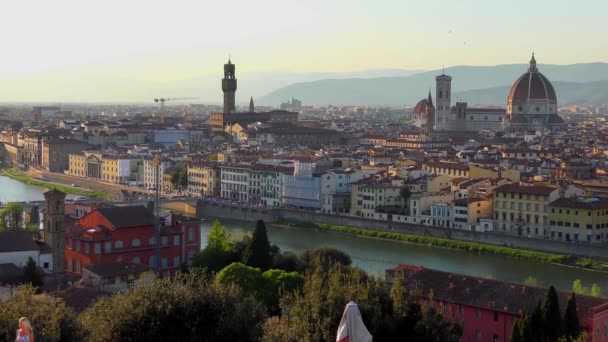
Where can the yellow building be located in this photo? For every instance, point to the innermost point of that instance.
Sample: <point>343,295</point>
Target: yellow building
<point>483,172</point>
<point>437,183</point>
<point>109,169</point>
<point>372,198</point>
<point>522,209</point>
<point>76,165</point>
<point>204,179</point>
<point>447,168</point>
<point>579,219</point>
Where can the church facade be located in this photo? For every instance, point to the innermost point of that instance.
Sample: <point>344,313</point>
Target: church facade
<point>531,105</point>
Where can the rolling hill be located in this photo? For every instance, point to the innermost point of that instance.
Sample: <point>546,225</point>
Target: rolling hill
<point>580,83</point>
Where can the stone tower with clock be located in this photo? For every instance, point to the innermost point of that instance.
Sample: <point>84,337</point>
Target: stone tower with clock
<point>54,227</point>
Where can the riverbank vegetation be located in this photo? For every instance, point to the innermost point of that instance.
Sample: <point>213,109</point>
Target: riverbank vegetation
<point>23,178</point>
<point>471,247</point>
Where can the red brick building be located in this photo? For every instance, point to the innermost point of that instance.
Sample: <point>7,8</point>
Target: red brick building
<point>106,235</point>
<point>487,309</point>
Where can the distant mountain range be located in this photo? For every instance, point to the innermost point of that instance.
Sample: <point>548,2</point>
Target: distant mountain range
<point>477,85</point>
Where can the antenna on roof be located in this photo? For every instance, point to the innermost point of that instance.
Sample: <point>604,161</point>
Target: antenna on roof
<point>443,67</point>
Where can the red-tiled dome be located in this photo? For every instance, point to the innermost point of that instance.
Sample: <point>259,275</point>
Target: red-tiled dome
<point>532,85</point>
<point>420,107</point>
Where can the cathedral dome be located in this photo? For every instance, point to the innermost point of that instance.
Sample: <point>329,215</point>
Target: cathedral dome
<point>532,92</point>
<point>420,107</point>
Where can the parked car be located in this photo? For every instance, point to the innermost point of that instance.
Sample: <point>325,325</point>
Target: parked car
<point>81,198</point>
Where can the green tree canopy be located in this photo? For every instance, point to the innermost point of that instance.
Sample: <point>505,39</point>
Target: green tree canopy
<point>192,308</point>
<point>11,217</point>
<point>249,279</point>
<point>324,257</point>
<point>218,253</point>
<point>596,291</point>
<point>257,254</point>
<point>51,320</point>
<point>314,313</point>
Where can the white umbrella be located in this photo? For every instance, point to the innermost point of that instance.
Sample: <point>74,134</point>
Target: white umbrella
<point>351,327</point>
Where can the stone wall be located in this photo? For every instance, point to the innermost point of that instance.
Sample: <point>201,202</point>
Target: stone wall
<point>276,215</point>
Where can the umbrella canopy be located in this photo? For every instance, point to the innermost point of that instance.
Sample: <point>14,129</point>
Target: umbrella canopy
<point>351,327</point>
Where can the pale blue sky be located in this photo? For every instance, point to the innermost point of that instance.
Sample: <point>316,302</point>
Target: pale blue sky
<point>54,41</point>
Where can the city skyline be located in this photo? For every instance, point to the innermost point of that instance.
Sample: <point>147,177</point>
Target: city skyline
<point>65,44</point>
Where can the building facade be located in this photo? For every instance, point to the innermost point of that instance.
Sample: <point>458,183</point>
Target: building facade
<point>579,219</point>
<point>204,179</point>
<point>522,209</point>
<point>127,234</point>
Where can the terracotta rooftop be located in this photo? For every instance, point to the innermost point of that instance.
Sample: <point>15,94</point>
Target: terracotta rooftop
<point>487,293</point>
<point>535,189</point>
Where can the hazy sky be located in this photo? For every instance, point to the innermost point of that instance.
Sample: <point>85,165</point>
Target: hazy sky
<point>50,42</point>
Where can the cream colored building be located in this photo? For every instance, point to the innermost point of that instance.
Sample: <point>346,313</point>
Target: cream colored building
<point>522,209</point>
<point>204,179</point>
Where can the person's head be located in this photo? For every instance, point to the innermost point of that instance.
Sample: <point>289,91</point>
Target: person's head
<point>24,324</point>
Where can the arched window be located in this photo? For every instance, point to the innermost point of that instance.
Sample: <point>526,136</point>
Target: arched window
<point>136,260</point>
<point>152,241</point>
<point>136,243</point>
<point>118,244</point>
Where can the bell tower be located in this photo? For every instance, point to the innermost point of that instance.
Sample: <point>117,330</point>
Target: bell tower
<point>54,227</point>
<point>229,87</point>
<point>443,95</point>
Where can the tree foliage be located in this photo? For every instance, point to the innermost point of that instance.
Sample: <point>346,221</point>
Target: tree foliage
<point>266,287</point>
<point>51,320</point>
<point>314,313</point>
<point>30,273</point>
<point>218,253</point>
<point>551,315</point>
<point>572,326</point>
<point>516,334</point>
<point>324,258</point>
<point>179,177</point>
<point>579,288</point>
<point>191,308</point>
<point>258,254</point>
<point>11,217</point>
<point>405,193</point>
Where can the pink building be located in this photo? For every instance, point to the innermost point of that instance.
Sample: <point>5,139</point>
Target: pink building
<point>487,309</point>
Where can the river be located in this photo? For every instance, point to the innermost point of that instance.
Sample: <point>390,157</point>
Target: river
<point>375,256</point>
<point>14,191</point>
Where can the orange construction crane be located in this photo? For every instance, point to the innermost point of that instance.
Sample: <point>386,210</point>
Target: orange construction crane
<point>162,104</point>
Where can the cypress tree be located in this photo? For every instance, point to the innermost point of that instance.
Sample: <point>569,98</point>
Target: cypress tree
<point>257,254</point>
<point>525,329</point>
<point>516,334</point>
<point>30,273</point>
<point>571,324</point>
<point>536,323</point>
<point>552,321</point>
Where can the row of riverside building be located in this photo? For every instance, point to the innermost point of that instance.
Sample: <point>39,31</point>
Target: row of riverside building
<point>446,194</point>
